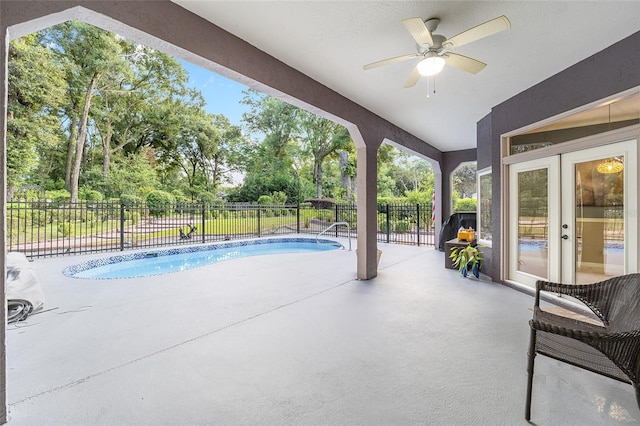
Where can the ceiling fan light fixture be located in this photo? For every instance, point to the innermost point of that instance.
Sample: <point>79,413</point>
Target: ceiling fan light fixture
<point>431,65</point>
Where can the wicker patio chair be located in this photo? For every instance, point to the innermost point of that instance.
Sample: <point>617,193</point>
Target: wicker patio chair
<point>611,349</point>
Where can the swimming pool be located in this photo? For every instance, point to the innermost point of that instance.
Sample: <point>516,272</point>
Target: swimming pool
<point>144,264</point>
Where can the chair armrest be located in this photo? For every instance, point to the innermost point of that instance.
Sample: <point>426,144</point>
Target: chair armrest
<point>598,297</point>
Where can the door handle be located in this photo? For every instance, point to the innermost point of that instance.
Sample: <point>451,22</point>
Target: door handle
<point>565,237</point>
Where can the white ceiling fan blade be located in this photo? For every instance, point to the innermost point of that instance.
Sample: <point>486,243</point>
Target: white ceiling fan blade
<point>464,63</point>
<point>418,31</point>
<point>390,61</point>
<point>480,31</point>
<point>413,78</point>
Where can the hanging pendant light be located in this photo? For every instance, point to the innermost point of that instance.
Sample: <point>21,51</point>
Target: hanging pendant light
<point>610,165</point>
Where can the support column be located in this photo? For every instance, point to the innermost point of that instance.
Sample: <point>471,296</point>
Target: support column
<point>367,171</point>
<point>4,42</point>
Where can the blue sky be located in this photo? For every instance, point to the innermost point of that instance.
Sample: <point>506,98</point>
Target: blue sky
<point>222,95</point>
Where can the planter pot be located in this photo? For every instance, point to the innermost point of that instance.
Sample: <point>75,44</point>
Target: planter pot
<point>472,268</point>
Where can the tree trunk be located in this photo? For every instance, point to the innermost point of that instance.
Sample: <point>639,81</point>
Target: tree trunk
<point>71,147</point>
<point>82,138</point>
<point>317,177</point>
<point>106,145</point>
<point>10,191</point>
<point>345,177</point>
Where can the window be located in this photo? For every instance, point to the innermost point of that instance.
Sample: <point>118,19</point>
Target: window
<point>616,114</point>
<point>485,228</point>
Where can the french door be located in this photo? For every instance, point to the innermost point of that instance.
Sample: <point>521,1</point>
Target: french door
<point>573,217</point>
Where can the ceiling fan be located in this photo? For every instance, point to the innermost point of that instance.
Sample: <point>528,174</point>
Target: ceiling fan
<point>436,50</point>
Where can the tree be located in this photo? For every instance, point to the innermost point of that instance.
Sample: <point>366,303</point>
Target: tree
<point>94,62</point>
<point>133,174</point>
<point>464,180</point>
<point>277,121</point>
<point>122,121</point>
<point>225,160</point>
<point>35,92</point>
<point>321,138</point>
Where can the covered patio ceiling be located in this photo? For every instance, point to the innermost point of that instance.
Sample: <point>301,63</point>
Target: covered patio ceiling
<point>330,41</point>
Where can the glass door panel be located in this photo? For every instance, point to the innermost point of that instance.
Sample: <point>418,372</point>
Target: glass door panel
<point>595,213</point>
<point>533,222</point>
<point>534,195</point>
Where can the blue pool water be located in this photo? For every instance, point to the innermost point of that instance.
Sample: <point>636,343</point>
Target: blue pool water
<point>159,262</point>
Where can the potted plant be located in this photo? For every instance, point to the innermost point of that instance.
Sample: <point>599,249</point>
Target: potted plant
<point>467,259</point>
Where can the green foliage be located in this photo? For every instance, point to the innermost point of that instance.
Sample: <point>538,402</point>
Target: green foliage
<point>149,131</point>
<point>466,257</point>
<point>35,91</point>
<point>403,225</point>
<point>61,195</point>
<point>464,180</point>
<point>132,216</point>
<point>418,197</point>
<point>64,229</point>
<point>465,205</point>
<point>132,175</point>
<point>130,200</point>
<point>159,203</point>
<point>209,198</point>
<point>87,194</point>
<point>279,197</point>
<point>265,199</point>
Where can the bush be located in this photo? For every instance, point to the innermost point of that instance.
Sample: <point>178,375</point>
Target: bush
<point>279,197</point>
<point>401,226</point>
<point>159,203</point>
<point>130,200</point>
<point>58,196</point>
<point>209,198</point>
<point>465,205</point>
<point>88,194</point>
<point>64,229</point>
<point>133,216</point>
<point>265,199</point>
<point>39,217</point>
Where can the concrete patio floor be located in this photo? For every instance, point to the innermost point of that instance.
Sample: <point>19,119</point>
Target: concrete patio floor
<point>293,339</point>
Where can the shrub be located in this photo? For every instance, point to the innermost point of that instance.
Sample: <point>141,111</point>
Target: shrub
<point>465,205</point>
<point>265,199</point>
<point>88,194</point>
<point>279,197</point>
<point>159,203</point>
<point>401,225</point>
<point>58,196</point>
<point>64,229</point>
<point>130,200</point>
<point>133,216</point>
<point>39,217</point>
<point>209,198</point>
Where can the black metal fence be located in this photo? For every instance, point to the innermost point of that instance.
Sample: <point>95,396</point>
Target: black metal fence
<point>41,229</point>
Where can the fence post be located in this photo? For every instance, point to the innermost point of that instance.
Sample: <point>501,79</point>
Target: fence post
<point>203,223</point>
<point>259,230</point>
<point>298,218</point>
<point>388,223</point>
<point>121,226</point>
<point>418,222</point>
<point>336,228</point>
